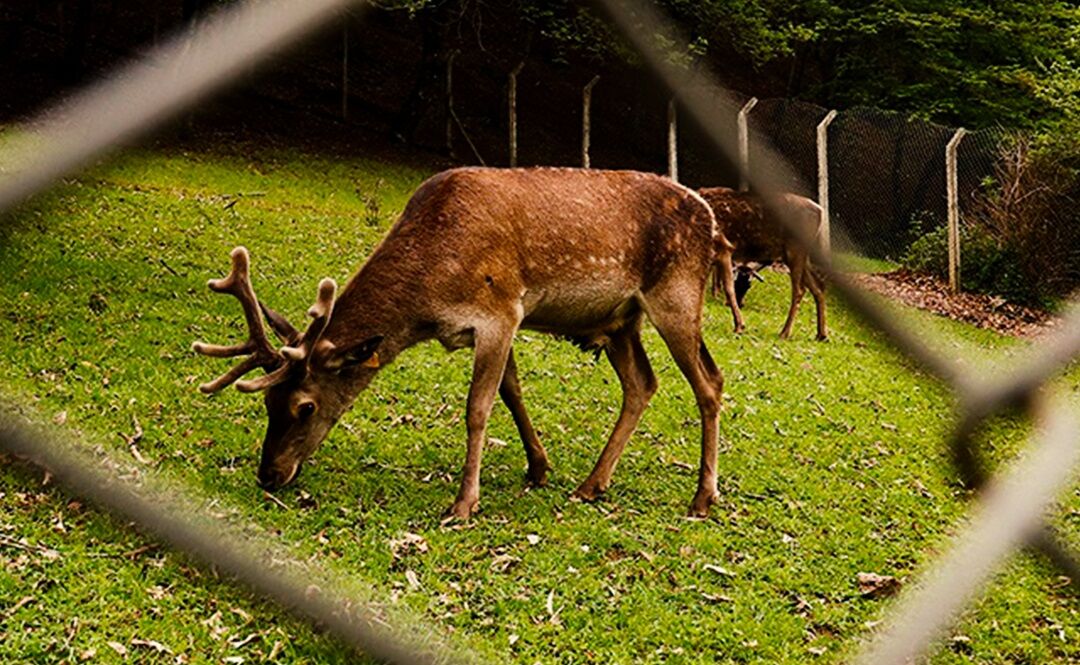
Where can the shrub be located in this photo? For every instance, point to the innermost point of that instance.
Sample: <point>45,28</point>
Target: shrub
<point>986,267</point>
<point>1021,235</point>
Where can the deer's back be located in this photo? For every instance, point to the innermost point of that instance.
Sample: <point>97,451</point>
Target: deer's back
<point>747,224</point>
<point>553,228</point>
<point>571,245</point>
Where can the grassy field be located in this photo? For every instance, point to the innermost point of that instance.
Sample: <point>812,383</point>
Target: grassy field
<point>831,464</point>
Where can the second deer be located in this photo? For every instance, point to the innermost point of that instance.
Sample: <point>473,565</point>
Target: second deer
<point>746,222</point>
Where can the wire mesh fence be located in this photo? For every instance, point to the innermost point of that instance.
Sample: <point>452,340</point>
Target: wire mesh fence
<point>891,170</point>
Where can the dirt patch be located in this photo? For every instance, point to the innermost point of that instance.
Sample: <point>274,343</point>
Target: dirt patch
<point>983,311</point>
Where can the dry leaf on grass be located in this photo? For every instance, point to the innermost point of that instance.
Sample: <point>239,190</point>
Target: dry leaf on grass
<point>719,570</point>
<point>503,562</point>
<point>151,644</point>
<point>872,585</point>
<point>408,543</point>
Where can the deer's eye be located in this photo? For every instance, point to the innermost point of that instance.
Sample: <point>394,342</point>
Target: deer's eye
<point>305,410</point>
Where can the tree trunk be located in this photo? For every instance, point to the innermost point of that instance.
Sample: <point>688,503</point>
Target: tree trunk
<point>428,84</point>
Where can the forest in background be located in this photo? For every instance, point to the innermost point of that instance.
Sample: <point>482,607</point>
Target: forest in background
<point>956,62</point>
<point>1005,65</point>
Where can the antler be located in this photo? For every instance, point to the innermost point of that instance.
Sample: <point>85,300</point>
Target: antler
<point>320,316</point>
<point>258,348</point>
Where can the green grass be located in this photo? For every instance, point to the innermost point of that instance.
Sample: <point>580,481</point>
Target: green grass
<point>832,459</point>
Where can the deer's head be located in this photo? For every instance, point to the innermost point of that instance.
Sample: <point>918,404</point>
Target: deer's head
<point>308,384</point>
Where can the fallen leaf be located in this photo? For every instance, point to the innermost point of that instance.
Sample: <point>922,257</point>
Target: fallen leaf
<point>503,562</point>
<point>719,570</point>
<point>151,644</point>
<point>872,585</point>
<point>533,539</point>
<point>408,543</point>
<point>23,602</point>
<point>412,579</point>
<point>118,648</point>
<point>237,644</point>
<point>157,592</point>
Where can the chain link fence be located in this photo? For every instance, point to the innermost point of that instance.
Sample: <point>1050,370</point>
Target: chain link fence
<point>889,171</point>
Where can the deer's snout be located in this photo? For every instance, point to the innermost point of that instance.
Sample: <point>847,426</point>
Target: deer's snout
<point>270,477</point>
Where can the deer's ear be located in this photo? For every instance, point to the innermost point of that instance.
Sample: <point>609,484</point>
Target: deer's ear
<point>364,354</point>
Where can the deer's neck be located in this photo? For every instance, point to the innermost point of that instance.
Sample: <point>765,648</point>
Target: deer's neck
<point>377,303</point>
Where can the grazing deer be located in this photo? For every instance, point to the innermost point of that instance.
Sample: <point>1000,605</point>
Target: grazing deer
<point>746,222</point>
<point>476,255</point>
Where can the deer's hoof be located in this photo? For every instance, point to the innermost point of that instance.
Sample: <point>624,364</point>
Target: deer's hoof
<point>699,507</point>
<point>587,492</point>
<point>537,476</point>
<point>460,511</point>
<point>822,338</point>
<point>740,330</point>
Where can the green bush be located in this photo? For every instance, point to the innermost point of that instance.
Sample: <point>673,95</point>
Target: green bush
<point>986,267</point>
<point>1021,233</point>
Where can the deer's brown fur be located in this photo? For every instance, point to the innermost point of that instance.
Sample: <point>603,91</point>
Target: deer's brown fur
<point>751,226</point>
<point>479,253</point>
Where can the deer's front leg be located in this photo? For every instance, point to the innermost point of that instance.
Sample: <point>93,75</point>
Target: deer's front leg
<point>725,272</point>
<point>492,349</point>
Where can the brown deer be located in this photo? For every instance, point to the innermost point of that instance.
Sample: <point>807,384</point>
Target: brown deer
<point>747,222</point>
<point>476,255</point>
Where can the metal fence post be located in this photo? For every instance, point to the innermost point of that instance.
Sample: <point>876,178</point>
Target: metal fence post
<point>586,119</point>
<point>954,209</point>
<point>823,180</point>
<point>744,144</point>
<point>672,141</point>
<point>512,96</point>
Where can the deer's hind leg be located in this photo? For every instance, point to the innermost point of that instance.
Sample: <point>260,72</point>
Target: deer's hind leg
<point>677,318</point>
<point>510,391</point>
<point>816,284</point>
<point>798,267</point>
<point>627,356</point>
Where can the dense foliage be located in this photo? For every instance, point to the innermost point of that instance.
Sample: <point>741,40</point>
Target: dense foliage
<point>1021,238</point>
<point>959,62</point>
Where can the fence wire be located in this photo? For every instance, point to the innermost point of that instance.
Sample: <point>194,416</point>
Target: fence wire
<point>1010,511</point>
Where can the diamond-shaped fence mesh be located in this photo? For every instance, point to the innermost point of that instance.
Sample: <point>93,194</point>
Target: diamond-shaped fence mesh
<point>787,128</point>
<point>888,172</point>
<point>886,177</point>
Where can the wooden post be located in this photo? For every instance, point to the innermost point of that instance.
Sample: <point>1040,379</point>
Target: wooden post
<point>672,141</point>
<point>954,209</point>
<point>823,180</point>
<point>345,72</point>
<point>744,144</point>
<point>512,96</point>
<point>586,119</point>
<point>450,104</point>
